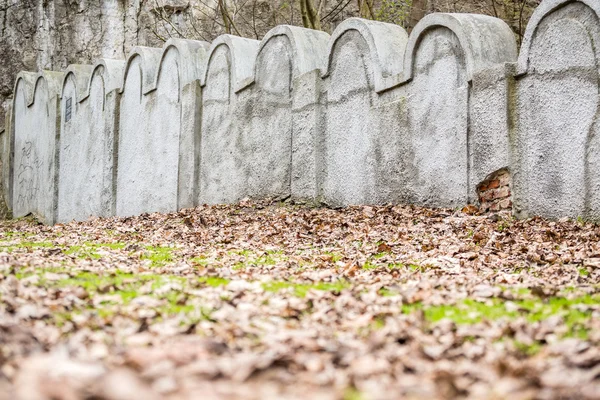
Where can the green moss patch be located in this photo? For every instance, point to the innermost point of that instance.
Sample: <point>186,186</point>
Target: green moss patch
<point>575,312</point>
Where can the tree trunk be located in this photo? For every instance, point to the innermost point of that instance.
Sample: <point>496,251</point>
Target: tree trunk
<point>365,9</point>
<point>310,16</point>
<point>418,10</point>
<point>225,16</point>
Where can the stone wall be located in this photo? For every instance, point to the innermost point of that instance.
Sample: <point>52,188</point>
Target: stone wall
<point>36,127</point>
<point>158,128</point>
<point>88,142</point>
<point>555,133</point>
<point>368,115</point>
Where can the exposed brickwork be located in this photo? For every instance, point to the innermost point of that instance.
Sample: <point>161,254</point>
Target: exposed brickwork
<point>494,192</point>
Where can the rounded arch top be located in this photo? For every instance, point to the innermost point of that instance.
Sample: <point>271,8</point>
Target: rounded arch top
<point>386,43</point>
<point>242,53</point>
<point>25,82</point>
<point>192,58</point>
<point>546,8</point>
<point>485,40</point>
<point>112,74</point>
<point>110,71</point>
<point>307,46</point>
<point>31,80</point>
<point>150,59</point>
<point>81,75</point>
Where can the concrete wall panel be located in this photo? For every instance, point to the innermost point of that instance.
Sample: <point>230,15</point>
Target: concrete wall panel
<point>348,161</point>
<point>438,121</point>
<point>37,121</point>
<point>363,54</point>
<point>266,127</point>
<point>369,115</point>
<point>220,159</point>
<point>159,128</point>
<point>293,83</point>
<point>139,182</point>
<point>88,141</point>
<point>557,108</point>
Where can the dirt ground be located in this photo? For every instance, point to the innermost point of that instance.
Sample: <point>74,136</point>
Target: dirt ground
<point>281,301</point>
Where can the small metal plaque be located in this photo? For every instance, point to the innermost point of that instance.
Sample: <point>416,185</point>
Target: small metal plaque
<point>68,109</point>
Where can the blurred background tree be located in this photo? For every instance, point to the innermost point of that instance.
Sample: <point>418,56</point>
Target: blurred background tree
<point>206,19</point>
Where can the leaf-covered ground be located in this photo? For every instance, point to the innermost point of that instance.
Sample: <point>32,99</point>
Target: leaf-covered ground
<point>275,301</point>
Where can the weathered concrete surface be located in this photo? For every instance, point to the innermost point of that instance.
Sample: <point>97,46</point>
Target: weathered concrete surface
<point>177,116</point>
<point>556,162</point>
<point>361,55</point>
<point>307,123</point>
<point>260,115</point>
<point>486,41</point>
<point>36,128</point>
<point>140,186</point>
<point>159,128</point>
<point>457,107</point>
<point>366,116</point>
<point>6,140</point>
<point>412,134</point>
<point>488,125</point>
<point>229,69</point>
<point>277,125</point>
<point>87,166</point>
<point>438,115</point>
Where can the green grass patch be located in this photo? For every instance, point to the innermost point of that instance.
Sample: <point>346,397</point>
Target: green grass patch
<point>89,250</point>
<point>214,281</point>
<point>158,256</point>
<point>302,289</point>
<point>574,312</point>
<point>127,286</point>
<point>583,272</point>
<point>353,394</point>
<point>251,258</point>
<point>201,260</point>
<point>369,265</point>
<point>528,349</point>
<point>83,252</point>
<point>385,292</point>
<point>124,284</point>
<point>26,245</point>
<point>16,234</point>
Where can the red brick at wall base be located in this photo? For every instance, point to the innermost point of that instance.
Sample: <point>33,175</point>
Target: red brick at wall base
<point>494,192</point>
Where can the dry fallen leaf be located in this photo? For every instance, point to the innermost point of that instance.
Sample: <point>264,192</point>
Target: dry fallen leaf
<point>265,301</point>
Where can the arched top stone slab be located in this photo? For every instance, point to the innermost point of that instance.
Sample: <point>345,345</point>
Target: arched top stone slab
<point>485,40</point>
<point>307,46</point>
<point>111,72</point>
<point>242,53</point>
<point>192,59</point>
<point>25,81</point>
<point>150,61</point>
<point>546,8</point>
<point>386,42</point>
<point>81,75</point>
<point>31,80</point>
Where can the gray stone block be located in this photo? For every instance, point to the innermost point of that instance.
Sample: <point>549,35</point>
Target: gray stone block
<point>362,54</point>
<point>158,130</point>
<point>554,142</point>
<point>87,161</point>
<point>259,116</point>
<point>36,129</point>
<point>399,130</point>
<point>229,70</point>
<point>369,115</point>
